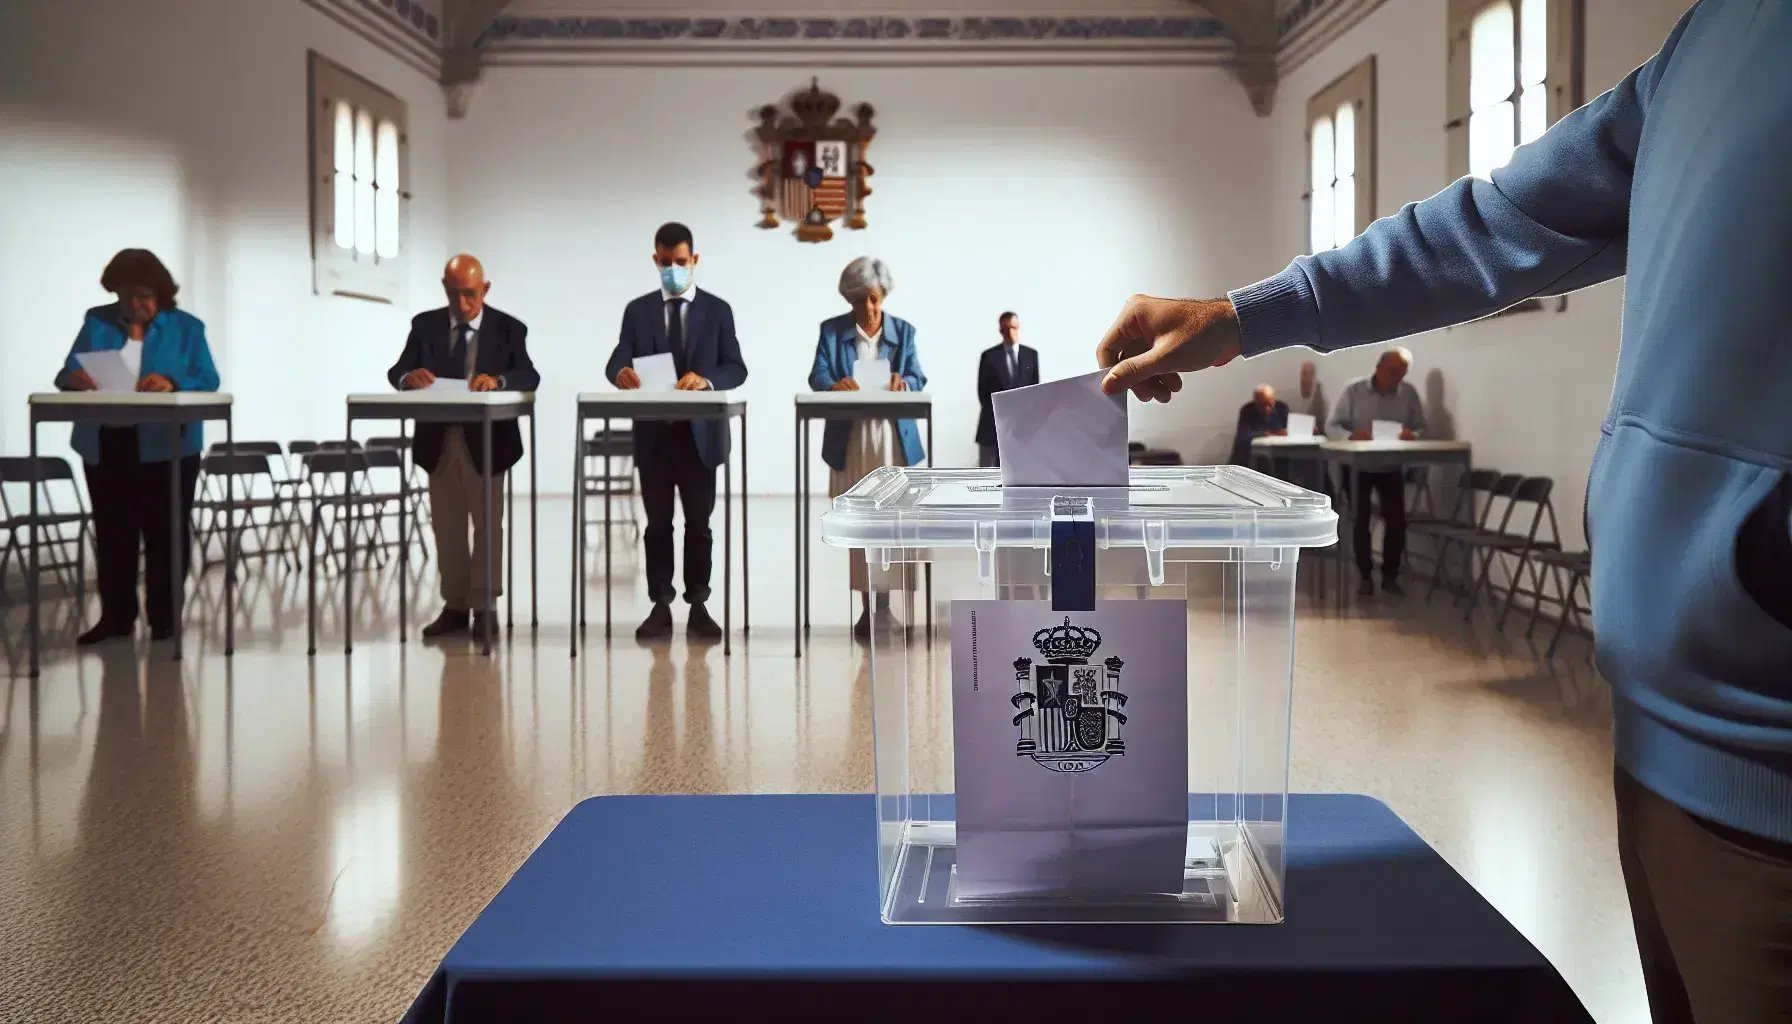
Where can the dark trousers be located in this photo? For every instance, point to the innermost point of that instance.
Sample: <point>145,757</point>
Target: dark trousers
<point>1389,488</point>
<point>988,456</point>
<point>130,507</point>
<point>1713,913</point>
<point>676,467</point>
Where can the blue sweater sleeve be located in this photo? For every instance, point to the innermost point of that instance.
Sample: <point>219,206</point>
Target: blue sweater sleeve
<point>1554,219</point>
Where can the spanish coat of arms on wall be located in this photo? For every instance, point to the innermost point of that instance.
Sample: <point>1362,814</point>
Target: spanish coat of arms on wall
<point>812,166</point>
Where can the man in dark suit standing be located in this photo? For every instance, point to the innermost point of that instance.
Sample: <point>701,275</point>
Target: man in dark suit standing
<point>1003,367</point>
<point>697,329</point>
<point>471,341</point>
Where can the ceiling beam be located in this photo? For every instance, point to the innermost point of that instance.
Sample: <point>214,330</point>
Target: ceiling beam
<point>1251,25</point>
<point>463,22</point>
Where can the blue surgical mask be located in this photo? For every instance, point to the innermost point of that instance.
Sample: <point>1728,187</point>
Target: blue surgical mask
<point>675,278</point>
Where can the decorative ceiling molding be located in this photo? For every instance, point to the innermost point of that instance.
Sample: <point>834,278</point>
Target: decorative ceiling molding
<point>1251,25</point>
<point>1305,27</point>
<point>1191,39</point>
<point>407,29</point>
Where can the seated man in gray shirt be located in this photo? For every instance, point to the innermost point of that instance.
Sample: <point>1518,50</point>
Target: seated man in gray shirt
<point>1383,395</point>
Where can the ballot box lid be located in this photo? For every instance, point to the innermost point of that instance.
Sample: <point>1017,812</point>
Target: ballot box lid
<point>1163,507</point>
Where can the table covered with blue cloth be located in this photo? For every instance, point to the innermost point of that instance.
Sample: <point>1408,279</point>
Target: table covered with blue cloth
<point>675,906</point>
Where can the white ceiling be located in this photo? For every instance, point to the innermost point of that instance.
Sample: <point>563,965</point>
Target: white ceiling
<point>858,8</point>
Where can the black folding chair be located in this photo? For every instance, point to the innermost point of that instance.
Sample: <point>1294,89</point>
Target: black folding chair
<point>1472,487</point>
<point>610,469</point>
<point>261,507</point>
<point>330,502</point>
<point>50,524</point>
<point>1578,567</point>
<point>418,509</point>
<point>1446,534</point>
<point>1531,493</point>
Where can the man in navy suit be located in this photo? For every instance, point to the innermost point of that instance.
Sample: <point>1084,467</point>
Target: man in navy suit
<point>465,340</point>
<point>1003,367</point>
<point>697,330</point>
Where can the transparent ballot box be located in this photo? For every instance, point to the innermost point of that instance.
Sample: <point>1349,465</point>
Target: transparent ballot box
<point>1092,725</point>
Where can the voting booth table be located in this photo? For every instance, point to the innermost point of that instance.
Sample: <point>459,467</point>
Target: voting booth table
<point>1108,775</point>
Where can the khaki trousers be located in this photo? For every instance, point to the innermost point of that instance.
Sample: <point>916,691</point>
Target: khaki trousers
<point>455,502</point>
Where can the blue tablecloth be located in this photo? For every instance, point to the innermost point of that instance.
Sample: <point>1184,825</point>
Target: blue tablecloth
<point>674,906</point>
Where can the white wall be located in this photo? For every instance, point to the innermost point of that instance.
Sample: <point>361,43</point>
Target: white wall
<point>1529,390</point>
<point>1055,192</point>
<point>180,126</point>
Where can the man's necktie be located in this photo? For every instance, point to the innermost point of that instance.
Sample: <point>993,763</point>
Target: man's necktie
<point>463,348</point>
<point>675,333</point>
<point>1013,366</point>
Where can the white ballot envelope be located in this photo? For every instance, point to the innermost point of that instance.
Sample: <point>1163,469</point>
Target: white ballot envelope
<point>1070,748</point>
<point>108,370</point>
<point>1386,430</point>
<point>871,374</point>
<point>1063,433</point>
<point>657,372</point>
<point>1300,424</point>
<point>448,384</point>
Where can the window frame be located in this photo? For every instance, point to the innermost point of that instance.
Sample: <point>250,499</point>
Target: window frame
<point>349,272</point>
<point>1563,81</point>
<point>1356,87</point>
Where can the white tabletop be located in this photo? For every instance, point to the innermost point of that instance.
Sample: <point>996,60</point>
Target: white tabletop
<point>150,399</point>
<point>639,397</point>
<point>1420,445</point>
<point>864,398</point>
<point>444,397</point>
<point>1288,441</point>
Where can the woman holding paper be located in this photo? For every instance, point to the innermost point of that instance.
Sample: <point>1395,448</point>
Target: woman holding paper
<point>866,349</point>
<point>140,342</point>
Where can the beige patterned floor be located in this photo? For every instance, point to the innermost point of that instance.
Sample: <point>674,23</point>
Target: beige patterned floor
<point>279,838</point>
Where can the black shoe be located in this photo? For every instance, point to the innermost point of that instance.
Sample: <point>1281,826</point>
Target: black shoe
<point>862,628</point>
<point>158,634</point>
<point>1392,588</point>
<point>699,626</point>
<point>885,623</point>
<point>449,623</point>
<point>480,622</point>
<point>103,632</point>
<point>657,625</point>
<point>1365,589</point>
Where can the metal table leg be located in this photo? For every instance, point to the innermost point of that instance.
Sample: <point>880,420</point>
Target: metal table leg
<point>534,556</point>
<point>404,532</point>
<point>796,613</point>
<point>509,549</point>
<point>229,541</point>
<point>485,481</point>
<point>927,567</point>
<point>608,560</point>
<point>727,557</point>
<point>348,541</point>
<point>746,543</point>
<point>574,610</point>
<point>31,589</point>
<point>176,566</point>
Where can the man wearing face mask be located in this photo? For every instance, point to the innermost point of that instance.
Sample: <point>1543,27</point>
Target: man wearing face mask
<point>679,459</point>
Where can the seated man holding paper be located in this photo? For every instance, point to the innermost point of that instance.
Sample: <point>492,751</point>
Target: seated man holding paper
<point>677,338</point>
<point>466,345</point>
<point>1262,416</point>
<point>1380,407</point>
<point>141,342</point>
<point>866,349</point>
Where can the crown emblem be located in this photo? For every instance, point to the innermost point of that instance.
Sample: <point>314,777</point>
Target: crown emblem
<point>814,106</point>
<point>1067,643</point>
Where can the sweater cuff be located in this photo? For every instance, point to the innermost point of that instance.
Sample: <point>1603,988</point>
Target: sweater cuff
<point>1276,313</point>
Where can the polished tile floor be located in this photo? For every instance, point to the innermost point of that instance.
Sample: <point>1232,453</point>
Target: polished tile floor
<point>272,837</point>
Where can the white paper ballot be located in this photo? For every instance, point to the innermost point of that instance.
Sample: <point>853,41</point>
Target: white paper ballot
<point>657,372</point>
<point>1063,433</point>
<point>1300,424</point>
<point>108,370</point>
<point>871,374</point>
<point>447,384</point>
<point>1070,747</point>
<point>1385,430</point>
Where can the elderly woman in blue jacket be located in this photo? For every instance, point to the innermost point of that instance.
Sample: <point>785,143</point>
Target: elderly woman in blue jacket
<point>127,467</point>
<point>854,448</point>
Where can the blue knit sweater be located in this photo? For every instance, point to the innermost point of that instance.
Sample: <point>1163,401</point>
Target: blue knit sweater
<point>1681,178</point>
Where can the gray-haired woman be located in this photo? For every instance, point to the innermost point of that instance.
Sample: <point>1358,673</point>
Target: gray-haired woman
<point>854,448</point>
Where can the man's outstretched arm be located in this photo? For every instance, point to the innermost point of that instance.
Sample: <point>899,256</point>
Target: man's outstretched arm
<point>1554,219</point>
